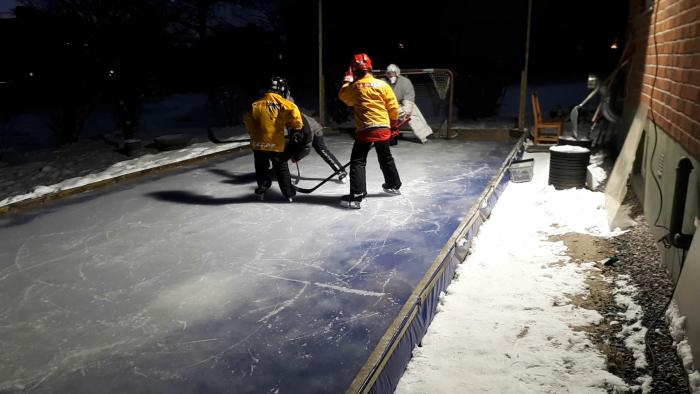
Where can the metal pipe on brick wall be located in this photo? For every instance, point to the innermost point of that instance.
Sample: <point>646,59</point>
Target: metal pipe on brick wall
<point>678,239</point>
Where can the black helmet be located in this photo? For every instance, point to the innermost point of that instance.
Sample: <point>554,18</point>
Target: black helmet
<point>279,86</point>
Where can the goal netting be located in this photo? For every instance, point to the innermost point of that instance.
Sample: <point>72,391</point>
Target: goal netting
<point>434,94</point>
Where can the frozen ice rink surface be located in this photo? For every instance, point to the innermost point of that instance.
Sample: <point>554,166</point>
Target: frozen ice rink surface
<point>187,282</point>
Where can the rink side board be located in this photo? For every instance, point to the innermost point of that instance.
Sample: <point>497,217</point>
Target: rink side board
<point>178,253</point>
<point>388,360</point>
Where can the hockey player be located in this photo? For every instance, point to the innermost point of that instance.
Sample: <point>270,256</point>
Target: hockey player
<point>266,124</point>
<point>376,113</point>
<point>406,95</point>
<point>314,131</point>
<point>319,145</point>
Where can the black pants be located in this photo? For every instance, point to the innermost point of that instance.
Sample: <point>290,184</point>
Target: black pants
<point>320,147</point>
<point>358,163</point>
<point>279,167</point>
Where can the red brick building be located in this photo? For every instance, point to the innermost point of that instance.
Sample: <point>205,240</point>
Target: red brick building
<point>664,72</point>
<point>662,76</point>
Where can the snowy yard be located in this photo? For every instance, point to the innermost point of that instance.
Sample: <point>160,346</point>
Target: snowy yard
<point>520,315</point>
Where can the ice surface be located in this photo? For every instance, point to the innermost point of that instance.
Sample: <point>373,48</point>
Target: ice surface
<point>188,282</point>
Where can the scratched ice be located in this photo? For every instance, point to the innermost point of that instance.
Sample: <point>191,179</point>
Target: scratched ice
<point>187,282</point>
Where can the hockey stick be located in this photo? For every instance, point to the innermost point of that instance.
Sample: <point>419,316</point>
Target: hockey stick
<point>401,124</point>
<point>217,140</point>
<point>311,190</point>
<point>296,181</point>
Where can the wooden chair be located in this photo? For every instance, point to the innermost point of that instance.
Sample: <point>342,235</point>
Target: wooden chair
<point>545,124</point>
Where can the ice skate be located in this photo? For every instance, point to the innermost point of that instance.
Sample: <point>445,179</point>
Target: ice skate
<point>260,191</point>
<point>390,190</point>
<point>351,201</point>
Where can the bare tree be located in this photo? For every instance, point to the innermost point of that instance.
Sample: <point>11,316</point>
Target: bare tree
<point>101,47</point>
<point>212,22</point>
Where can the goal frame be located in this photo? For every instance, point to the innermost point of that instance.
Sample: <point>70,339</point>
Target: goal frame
<point>450,97</point>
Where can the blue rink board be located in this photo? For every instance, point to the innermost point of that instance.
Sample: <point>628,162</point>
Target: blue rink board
<point>385,368</point>
<point>187,283</point>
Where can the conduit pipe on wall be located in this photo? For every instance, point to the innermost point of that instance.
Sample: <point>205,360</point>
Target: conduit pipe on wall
<point>675,236</point>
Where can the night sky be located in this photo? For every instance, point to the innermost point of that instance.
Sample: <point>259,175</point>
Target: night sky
<point>6,5</point>
<point>482,42</point>
<point>568,38</point>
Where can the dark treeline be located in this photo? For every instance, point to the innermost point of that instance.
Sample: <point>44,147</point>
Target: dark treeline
<point>68,56</point>
<point>483,42</point>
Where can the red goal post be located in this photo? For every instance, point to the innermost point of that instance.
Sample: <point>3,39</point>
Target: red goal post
<point>434,96</point>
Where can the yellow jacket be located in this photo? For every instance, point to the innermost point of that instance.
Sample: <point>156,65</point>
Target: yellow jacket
<point>373,102</point>
<point>267,120</point>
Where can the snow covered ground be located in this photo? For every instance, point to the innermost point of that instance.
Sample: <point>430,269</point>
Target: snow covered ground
<point>75,165</point>
<point>505,324</point>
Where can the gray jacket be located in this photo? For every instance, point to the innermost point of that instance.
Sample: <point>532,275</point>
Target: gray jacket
<point>314,126</point>
<point>403,89</point>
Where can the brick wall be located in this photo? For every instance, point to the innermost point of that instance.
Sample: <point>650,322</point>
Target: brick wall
<point>664,72</point>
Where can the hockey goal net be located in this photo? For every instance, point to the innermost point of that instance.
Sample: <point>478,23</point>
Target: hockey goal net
<point>434,92</point>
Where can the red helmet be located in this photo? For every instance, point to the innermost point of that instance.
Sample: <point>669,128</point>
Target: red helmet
<point>361,62</point>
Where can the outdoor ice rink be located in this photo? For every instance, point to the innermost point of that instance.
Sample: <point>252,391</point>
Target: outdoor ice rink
<point>187,282</point>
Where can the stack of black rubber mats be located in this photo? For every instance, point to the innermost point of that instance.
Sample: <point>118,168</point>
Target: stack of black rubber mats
<point>567,166</point>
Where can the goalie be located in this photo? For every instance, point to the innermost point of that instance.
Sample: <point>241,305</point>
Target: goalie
<point>406,95</point>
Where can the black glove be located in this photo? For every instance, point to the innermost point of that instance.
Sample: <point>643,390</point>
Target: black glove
<point>297,156</point>
<point>297,136</point>
<point>302,136</point>
<point>299,144</point>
